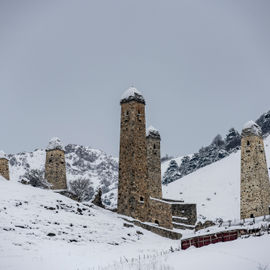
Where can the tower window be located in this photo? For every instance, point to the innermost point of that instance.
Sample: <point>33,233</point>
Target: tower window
<point>248,143</point>
<point>251,216</point>
<point>154,146</point>
<point>156,221</point>
<point>141,199</point>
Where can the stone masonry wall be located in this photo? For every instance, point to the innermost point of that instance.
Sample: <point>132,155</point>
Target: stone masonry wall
<point>55,169</point>
<point>133,193</point>
<point>161,213</point>
<point>4,168</point>
<point>255,186</point>
<point>186,211</point>
<point>154,167</point>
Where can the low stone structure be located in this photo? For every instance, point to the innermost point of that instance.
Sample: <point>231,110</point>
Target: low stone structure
<point>160,213</point>
<point>255,185</point>
<point>4,165</point>
<point>55,167</point>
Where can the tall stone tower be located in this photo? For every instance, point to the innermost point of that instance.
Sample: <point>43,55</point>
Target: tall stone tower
<point>133,193</point>
<point>55,167</point>
<point>4,168</point>
<point>255,185</point>
<point>153,162</point>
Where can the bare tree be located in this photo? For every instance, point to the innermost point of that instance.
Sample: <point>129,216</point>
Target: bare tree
<point>36,178</point>
<point>82,189</point>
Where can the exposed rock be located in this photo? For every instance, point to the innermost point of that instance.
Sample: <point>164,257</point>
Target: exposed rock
<point>206,224</point>
<point>98,199</point>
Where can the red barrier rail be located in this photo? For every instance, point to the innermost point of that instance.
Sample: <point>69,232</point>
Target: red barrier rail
<point>204,240</point>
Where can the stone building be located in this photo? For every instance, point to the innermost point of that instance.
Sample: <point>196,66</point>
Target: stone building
<point>4,165</point>
<point>139,186</point>
<point>55,166</point>
<point>133,192</point>
<point>255,185</point>
<point>153,162</point>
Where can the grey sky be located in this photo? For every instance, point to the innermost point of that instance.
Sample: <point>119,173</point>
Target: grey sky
<point>202,66</point>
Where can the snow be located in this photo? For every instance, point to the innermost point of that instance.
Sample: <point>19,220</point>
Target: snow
<point>89,237</point>
<point>2,154</point>
<point>131,92</point>
<point>82,237</point>
<point>252,127</point>
<point>248,254</point>
<point>151,129</point>
<point>55,143</point>
<point>214,188</point>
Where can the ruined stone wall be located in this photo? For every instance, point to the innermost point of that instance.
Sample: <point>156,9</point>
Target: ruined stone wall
<point>186,212</point>
<point>55,168</point>
<point>133,193</point>
<point>255,186</point>
<point>159,230</point>
<point>154,166</point>
<point>161,213</point>
<point>4,168</point>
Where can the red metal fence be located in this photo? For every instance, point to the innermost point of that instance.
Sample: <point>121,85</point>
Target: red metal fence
<point>204,240</point>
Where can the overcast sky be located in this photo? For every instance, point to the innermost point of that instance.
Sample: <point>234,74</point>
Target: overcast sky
<point>202,66</point>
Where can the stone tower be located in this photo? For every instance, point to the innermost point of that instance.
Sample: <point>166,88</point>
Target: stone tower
<point>255,185</point>
<point>153,162</point>
<point>4,168</point>
<point>133,193</point>
<point>55,167</point>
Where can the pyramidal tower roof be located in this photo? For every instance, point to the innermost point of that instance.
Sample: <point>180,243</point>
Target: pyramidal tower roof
<point>55,143</point>
<point>251,128</point>
<point>152,132</point>
<point>131,94</point>
<point>3,155</point>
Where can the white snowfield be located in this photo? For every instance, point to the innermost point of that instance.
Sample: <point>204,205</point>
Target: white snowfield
<point>40,229</point>
<point>215,188</point>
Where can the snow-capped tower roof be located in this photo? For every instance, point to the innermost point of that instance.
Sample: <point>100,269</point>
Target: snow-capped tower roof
<point>3,155</point>
<point>251,128</point>
<point>130,94</point>
<point>152,132</point>
<point>55,143</point>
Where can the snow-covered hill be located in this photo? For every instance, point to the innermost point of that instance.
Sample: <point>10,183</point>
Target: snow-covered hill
<point>214,188</point>
<point>81,162</point>
<point>40,229</point>
<point>219,148</point>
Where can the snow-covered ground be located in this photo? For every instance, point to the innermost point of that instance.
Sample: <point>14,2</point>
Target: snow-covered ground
<point>246,254</point>
<point>215,188</point>
<point>40,229</point>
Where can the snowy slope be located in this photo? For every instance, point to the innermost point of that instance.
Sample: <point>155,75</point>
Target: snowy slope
<point>40,229</point>
<point>215,188</point>
<point>247,254</point>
